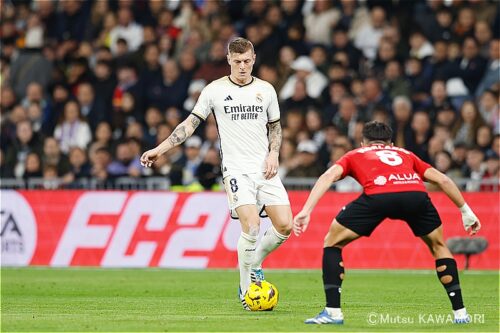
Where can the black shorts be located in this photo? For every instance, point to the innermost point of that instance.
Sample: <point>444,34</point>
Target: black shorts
<point>365,213</point>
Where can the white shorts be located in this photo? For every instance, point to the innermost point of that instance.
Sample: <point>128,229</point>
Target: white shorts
<point>254,189</point>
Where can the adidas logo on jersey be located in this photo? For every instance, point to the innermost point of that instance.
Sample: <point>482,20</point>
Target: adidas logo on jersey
<point>228,98</point>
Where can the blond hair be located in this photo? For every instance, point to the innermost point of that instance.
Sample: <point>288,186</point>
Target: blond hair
<point>240,45</point>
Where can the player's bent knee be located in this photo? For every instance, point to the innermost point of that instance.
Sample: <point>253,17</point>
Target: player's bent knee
<point>446,279</point>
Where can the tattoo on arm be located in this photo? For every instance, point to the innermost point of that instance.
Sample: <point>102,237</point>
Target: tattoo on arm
<point>195,122</point>
<point>275,136</point>
<point>178,136</point>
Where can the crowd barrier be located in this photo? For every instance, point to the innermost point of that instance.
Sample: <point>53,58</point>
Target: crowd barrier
<point>194,230</point>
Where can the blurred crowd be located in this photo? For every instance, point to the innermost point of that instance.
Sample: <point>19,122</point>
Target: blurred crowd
<point>86,86</point>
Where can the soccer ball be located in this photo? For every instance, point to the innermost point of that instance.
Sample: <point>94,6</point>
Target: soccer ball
<point>261,296</point>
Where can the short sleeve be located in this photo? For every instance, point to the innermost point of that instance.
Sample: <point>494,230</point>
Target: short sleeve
<point>203,106</point>
<point>419,166</point>
<point>273,111</point>
<point>344,162</point>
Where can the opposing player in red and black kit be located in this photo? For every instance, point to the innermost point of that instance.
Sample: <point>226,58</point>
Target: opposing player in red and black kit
<point>392,179</point>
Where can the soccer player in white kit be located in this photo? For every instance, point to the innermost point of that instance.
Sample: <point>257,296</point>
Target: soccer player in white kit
<point>247,114</point>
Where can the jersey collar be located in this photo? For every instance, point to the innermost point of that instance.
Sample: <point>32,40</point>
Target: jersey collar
<point>241,85</point>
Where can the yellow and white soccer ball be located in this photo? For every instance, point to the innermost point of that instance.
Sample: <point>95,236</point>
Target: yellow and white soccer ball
<point>261,296</point>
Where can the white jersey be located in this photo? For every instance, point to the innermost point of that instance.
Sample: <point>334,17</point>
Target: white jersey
<point>241,113</point>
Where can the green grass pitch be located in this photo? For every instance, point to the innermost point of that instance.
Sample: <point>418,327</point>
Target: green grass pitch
<point>41,299</point>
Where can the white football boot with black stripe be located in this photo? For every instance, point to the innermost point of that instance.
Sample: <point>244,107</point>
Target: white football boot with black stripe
<point>241,297</point>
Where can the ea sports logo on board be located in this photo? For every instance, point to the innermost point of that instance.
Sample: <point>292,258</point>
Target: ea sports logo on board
<point>18,230</point>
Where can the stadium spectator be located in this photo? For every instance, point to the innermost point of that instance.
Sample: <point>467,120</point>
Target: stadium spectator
<point>209,172</point>
<point>288,157</point>
<point>438,65</point>
<point>419,80</point>
<point>103,137</point>
<point>491,173</point>
<point>79,166</point>
<point>373,97</point>
<point>443,30</point>
<point>127,30</point>
<point>72,129</point>
<point>474,168</point>
<point>493,67</point>
<point>153,119</point>
<point>304,70</point>
<point>294,120</point>
<point>216,66</point>
<point>421,126</point>
<point>465,22</point>
<point>7,100</point>
<point>421,48</point>
<point>211,138</point>
<point>332,95</point>
<point>446,116</point>
<point>320,21</point>
<point>183,170</point>
<point>300,100</point>
<point>173,117</point>
<point>368,36</point>
<point>127,96</point>
<point>346,117</point>
<point>489,108</point>
<point>459,155</point>
<point>394,83</point>
<point>385,53</point>
<point>444,164</point>
<point>483,35</point>
<point>104,82</point>
<point>468,123</point>
<point>32,166</point>
<point>341,43</point>
<point>271,75</point>
<point>313,125</point>
<point>92,109</point>
<point>307,166</point>
<point>30,65</point>
<point>124,163</point>
<point>52,155</point>
<point>484,138</point>
<point>194,91</point>
<point>24,143</point>
<point>319,56</point>
<point>324,151</point>
<point>171,91</point>
<point>101,159</point>
<point>470,66</point>
<point>438,99</point>
<point>188,64</point>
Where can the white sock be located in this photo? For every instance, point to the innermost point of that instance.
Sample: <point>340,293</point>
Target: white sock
<point>334,312</point>
<point>269,242</point>
<point>246,254</point>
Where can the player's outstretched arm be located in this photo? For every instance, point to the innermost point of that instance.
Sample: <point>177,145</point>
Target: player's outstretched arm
<point>183,131</point>
<point>469,219</point>
<point>301,220</point>
<point>272,160</point>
